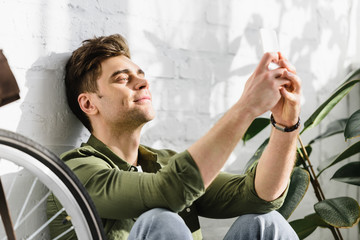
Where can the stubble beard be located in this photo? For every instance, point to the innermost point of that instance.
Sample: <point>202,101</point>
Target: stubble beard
<point>137,118</point>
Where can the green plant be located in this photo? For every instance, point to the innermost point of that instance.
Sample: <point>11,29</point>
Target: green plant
<point>335,213</point>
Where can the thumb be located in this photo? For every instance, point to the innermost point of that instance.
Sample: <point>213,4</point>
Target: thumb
<point>267,58</point>
<point>287,95</point>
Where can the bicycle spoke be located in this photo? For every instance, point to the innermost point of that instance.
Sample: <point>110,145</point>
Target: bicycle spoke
<point>46,224</point>
<point>11,187</point>
<point>25,203</point>
<point>62,234</point>
<point>9,167</point>
<point>35,207</point>
<point>28,192</point>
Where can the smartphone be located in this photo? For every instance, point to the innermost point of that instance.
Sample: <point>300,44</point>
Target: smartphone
<point>270,43</point>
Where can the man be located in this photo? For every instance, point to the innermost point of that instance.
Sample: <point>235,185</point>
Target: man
<point>138,191</point>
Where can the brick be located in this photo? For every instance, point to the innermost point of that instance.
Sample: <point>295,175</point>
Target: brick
<point>196,126</point>
<point>185,11</point>
<point>155,64</point>
<point>195,68</point>
<point>217,12</point>
<point>197,37</point>
<point>158,89</point>
<point>181,96</point>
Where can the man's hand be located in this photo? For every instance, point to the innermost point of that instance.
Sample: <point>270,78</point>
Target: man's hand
<point>265,90</point>
<point>277,90</point>
<point>277,161</point>
<point>287,109</point>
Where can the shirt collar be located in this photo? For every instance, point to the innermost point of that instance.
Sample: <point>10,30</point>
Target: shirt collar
<point>146,158</point>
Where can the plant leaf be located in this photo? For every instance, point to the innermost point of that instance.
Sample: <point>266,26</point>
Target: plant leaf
<point>342,212</point>
<point>254,159</point>
<point>303,227</point>
<point>349,173</point>
<point>329,104</point>
<point>352,128</point>
<point>350,151</point>
<point>314,217</point>
<point>335,127</point>
<point>299,184</point>
<point>256,126</point>
<point>352,75</point>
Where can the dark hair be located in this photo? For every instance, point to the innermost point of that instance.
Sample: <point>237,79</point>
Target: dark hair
<point>84,68</point>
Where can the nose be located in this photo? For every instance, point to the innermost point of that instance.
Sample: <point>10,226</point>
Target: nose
<point>141,83</point>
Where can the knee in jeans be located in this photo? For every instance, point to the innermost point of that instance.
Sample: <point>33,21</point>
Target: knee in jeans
<point>259,221</point>
<point>274,217</point>
<point>168,221</point>
<point>271,225</point>
<point>164,216</point>
<point>271,219</point>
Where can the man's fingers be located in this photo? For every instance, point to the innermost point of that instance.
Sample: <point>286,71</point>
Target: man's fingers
<point>295,80</point>
<point>287,79</point>
<point>284,63</point>
<point>267,59</point>
<point>288,96</point>
<point>278,59</point>
<point>279,72</point>
<point>283,83</point>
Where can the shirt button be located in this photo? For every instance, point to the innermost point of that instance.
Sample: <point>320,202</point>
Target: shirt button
<point>188,209</point>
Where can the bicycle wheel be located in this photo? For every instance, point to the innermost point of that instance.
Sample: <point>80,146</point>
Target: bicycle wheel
<point>30,173</point>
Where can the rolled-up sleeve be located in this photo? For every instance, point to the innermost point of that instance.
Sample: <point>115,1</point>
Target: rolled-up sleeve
<point>232,195</point>
<point>119,194</point>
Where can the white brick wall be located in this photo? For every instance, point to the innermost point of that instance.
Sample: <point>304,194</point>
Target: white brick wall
<point>197,54</point>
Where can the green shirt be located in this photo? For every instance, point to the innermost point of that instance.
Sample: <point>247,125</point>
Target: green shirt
<point>169,180</point>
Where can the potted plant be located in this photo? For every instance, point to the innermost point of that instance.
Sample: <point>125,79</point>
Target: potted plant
<point>335,213</point>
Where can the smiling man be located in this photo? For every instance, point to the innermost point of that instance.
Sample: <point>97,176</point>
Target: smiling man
<point>146,193</point>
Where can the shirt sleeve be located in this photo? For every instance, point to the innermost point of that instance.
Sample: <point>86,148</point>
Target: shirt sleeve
<point>232,195</point>
<point>119,194</point>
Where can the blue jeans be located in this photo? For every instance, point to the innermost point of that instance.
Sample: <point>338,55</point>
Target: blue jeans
<point>161,224</point>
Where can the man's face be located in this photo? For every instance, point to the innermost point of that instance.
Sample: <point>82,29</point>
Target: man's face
<point>123,96</point>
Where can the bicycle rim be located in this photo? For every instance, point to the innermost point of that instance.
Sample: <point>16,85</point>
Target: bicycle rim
<point>48,169</point>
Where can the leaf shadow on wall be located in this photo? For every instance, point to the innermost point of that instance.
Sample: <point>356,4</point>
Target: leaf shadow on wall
<point>190,105</point>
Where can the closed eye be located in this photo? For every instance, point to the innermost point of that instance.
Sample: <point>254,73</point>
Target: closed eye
<point>124,75</point>
<point>122,78</point>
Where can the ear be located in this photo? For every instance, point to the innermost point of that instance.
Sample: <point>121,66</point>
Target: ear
<point>86,104</point>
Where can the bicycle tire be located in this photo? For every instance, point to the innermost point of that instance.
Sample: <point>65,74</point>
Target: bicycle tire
<point>58,178</point>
